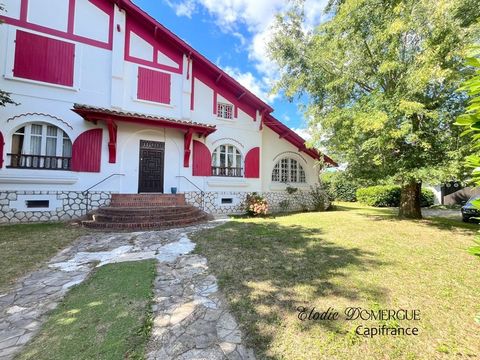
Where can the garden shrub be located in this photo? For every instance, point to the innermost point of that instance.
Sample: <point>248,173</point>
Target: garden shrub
<point>427,198</point>
<point>284,205</point>
<point>389,196</point>
<point>379,196</point>
<point>256,205</point>
<point>320,198</point>
<point>339,186</point>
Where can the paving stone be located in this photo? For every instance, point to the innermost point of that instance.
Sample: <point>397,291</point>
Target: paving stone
<point>7,353</point>
<point>25,338</point>
<point>15,309</point>
<point>190,316</point>
<point>9,342</point>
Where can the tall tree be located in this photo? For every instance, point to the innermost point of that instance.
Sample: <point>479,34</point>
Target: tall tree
<point>471,122</point>
<point>380,76</point>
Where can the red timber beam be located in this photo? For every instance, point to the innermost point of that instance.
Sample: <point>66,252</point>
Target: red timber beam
<point>113,117</point>
<point>187,142</point>
<point>112,143</point>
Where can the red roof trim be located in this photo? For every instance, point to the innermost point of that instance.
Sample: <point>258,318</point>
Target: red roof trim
<point>204,64</point>
<point>296,140</point>
<point>91,113</point>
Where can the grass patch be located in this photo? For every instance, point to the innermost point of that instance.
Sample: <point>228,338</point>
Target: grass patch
<point>354,256</point>
<point>25,247</point>
<point>106,317</point>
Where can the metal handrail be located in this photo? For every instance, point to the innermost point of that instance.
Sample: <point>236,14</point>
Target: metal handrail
<point>87,192</point>
<point>202,193</point>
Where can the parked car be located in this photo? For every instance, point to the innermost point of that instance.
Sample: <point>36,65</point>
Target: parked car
<point>469,211</point>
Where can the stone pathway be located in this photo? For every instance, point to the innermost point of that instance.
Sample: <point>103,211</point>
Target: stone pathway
<point>191,320</point>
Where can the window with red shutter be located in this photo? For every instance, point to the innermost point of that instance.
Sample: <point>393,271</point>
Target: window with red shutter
<point>153,86</point>
<point>87,151</point>
<point>202,159</point>
<point>44,59</point>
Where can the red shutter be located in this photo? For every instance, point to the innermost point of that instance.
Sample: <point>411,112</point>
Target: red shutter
<point>153,86</point>
<point>252,163</point>
<point>87,151</point>
<point>43,59</point>
<point>2,143</point>
<point>202,159</point>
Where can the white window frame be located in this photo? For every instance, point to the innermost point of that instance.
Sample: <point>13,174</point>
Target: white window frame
<point>235,152</point>
<point>225,111</point>
<point>237,158</point>
<point>27,136</point>
<point>300,175</point>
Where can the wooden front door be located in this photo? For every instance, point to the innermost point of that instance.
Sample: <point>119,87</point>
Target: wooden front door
<point>150,177</point>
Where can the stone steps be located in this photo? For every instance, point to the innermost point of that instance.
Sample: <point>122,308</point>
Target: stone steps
<point>149,210</point>
<point>145,212</point>
<point>152,225</point>
<point>145,215</point>
<point>145,200</point>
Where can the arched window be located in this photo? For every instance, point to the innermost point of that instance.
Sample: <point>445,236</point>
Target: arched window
<point>288,171</point>
<point>227,161</point>
<point>41,146</point>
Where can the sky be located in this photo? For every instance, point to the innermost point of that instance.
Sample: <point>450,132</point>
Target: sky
<point>233,35</point>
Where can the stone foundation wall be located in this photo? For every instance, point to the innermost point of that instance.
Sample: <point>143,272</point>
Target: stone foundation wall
<point>69,205</point>
<point>63,205</point>
<point>279,201</point>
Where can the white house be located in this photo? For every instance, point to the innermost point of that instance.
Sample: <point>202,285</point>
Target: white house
<point>110,101</point>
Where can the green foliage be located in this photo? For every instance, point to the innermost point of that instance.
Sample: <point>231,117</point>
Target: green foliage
<point>284,205</point>
<point>380,195</point>
<point>427,198</point>
<point>256,205</point>
<point>380,77</point>
<point>389,196</point>
<point>340,186</point>
<point>320,199</point>
<point>471,122</point>
<point>291,190</point>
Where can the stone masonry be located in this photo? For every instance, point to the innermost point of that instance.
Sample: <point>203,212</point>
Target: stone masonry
<point>190,317</point>
<point>73,205</point>
<point>278,201</point>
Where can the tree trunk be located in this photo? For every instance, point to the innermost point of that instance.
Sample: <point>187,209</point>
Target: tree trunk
<point>410,200</point>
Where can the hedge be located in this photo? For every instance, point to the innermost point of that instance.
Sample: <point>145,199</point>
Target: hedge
<point>339,187</point>
<point>389,196</point>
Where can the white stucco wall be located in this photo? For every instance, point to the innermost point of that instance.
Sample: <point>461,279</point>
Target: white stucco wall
<point>104,79</point>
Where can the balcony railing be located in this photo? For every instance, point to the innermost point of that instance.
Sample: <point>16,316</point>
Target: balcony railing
<point>226,171</point>
<point>24,161</point>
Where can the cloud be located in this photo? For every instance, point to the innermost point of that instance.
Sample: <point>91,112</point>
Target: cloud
<point>183,8</point>
<point>258,16</point>
<point>304,133</point>
<point>247,79</point>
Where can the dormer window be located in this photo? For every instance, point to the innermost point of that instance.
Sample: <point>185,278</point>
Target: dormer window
<point>225,111</point>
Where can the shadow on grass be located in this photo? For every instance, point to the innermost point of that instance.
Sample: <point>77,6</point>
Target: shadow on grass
<point>267,270</point>
<point>379,214</point>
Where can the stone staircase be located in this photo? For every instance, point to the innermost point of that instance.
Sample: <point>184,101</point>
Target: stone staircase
<point>145,212</point>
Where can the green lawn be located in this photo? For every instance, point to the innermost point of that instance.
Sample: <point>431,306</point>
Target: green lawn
<point>25,247</point>
<point>106,317</point>
<point>352,257</point>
